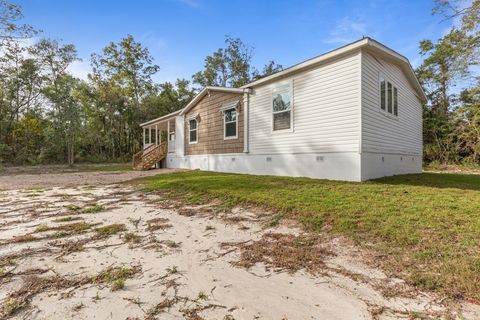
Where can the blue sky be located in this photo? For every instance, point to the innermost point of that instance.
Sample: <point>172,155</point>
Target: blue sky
<point>180,33</point>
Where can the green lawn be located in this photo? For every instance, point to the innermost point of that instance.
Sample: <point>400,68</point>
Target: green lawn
<point>425,227</point>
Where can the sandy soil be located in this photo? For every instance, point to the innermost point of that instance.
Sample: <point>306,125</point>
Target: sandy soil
<point>47,179</point>
<point>179,262</point>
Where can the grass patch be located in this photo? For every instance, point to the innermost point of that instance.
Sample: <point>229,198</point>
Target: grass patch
<point>93,209</point>
<point>171,244</point>
<point>73,207</point>
<point>110,230</point>
<point>67,219</point>
<point>115,277</point>
<point>426,227</point>
<point>132,238</point>
<point>42,228</point>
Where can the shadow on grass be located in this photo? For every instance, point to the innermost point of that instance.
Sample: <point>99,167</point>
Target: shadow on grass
<point>435,180</point>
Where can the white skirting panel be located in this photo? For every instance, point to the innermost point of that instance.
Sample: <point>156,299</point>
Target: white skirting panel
<point>377,165</point>
<point>333,166</point>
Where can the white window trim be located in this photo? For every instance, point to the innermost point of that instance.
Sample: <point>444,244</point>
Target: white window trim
<point>225,124</point>
<point>385,112</point>
<point>189,130</point>
<point>290,91</point>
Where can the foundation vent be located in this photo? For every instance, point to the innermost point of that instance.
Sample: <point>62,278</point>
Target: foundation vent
<point>320,158</point>
<point>269,159</point>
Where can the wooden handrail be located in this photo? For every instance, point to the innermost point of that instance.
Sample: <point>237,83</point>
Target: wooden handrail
<point>141,159</point>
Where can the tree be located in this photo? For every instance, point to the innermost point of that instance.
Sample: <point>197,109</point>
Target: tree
<point>10,27</point>
<point>229,66</point>
<point>59,90</point>
<point>467,129</point>
<point>167,98</point>
<point>128,65</point>
<point>449,120</point>
<point>270,68</point>
<point>122,76</point>
<point>232,66</point>
<point>67,113</point>
<point>20,87</point>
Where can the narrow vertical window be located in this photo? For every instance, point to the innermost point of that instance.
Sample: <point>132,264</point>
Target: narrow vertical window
<point>395,101</point>
<point>193,128</point>
<point>382,93</point>
<point>230,124</point>
<point>281,107</point>
<point>389,97</point>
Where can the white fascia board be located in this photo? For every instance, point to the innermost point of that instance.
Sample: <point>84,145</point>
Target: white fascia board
<point>162,118</point>
<point>303,65</point>
<point>362,43</point>
<point>204,91</point>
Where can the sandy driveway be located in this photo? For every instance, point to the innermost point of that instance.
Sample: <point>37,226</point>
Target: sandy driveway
<point>115,252</point>
<point>67,179</point>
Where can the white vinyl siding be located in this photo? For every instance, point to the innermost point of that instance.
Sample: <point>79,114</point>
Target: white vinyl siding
<point>325,116</point>
<point>382,130</point>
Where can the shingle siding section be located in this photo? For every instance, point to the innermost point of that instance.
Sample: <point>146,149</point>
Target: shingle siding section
<point>210,125</point>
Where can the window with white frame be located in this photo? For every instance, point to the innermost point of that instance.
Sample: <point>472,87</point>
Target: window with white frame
<point>193,130</point>
<point>282,107</point>
<point>230,123</point>
<point>388,97</point>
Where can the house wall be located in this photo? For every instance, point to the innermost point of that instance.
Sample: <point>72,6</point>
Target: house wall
<point>210,125</point>
<point>339,131</point>
<point>335,166</point>
<point>324,142</point>
<point>390,144</point>
<point>326,107</point>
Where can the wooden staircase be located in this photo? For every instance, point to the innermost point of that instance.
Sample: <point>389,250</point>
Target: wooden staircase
<point>146,158</point>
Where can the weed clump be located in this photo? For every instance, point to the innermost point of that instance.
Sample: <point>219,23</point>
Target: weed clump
<point>158,224</point>
<point>116,276</point>
<point>66,219</point>
<point>132,238</point>
<point>24,238</point>
<point>283,251</point>
<point>107,231</point>
<point>93,209</point>
<point>42,228</point>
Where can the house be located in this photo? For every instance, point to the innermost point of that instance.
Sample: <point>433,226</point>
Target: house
<point>354,113</point>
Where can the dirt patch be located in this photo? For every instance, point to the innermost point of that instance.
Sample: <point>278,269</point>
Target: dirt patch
<point>190,262</point>
<point>70,179</point>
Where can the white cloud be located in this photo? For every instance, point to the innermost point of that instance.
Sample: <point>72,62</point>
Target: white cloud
<point>153,42</point>
<point>347,30</point>
<point>79,69</point>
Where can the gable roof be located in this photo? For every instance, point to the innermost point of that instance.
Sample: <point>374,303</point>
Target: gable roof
<point>373,45</point>
<point>206,90</point>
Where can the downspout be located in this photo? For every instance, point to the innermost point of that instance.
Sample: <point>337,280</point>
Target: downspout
<point>246,131</point>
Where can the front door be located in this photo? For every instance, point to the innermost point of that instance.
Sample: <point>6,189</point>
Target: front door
<point>171,142</point>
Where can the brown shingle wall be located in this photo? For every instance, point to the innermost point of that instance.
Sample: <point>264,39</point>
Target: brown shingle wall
<point>210,125</point>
